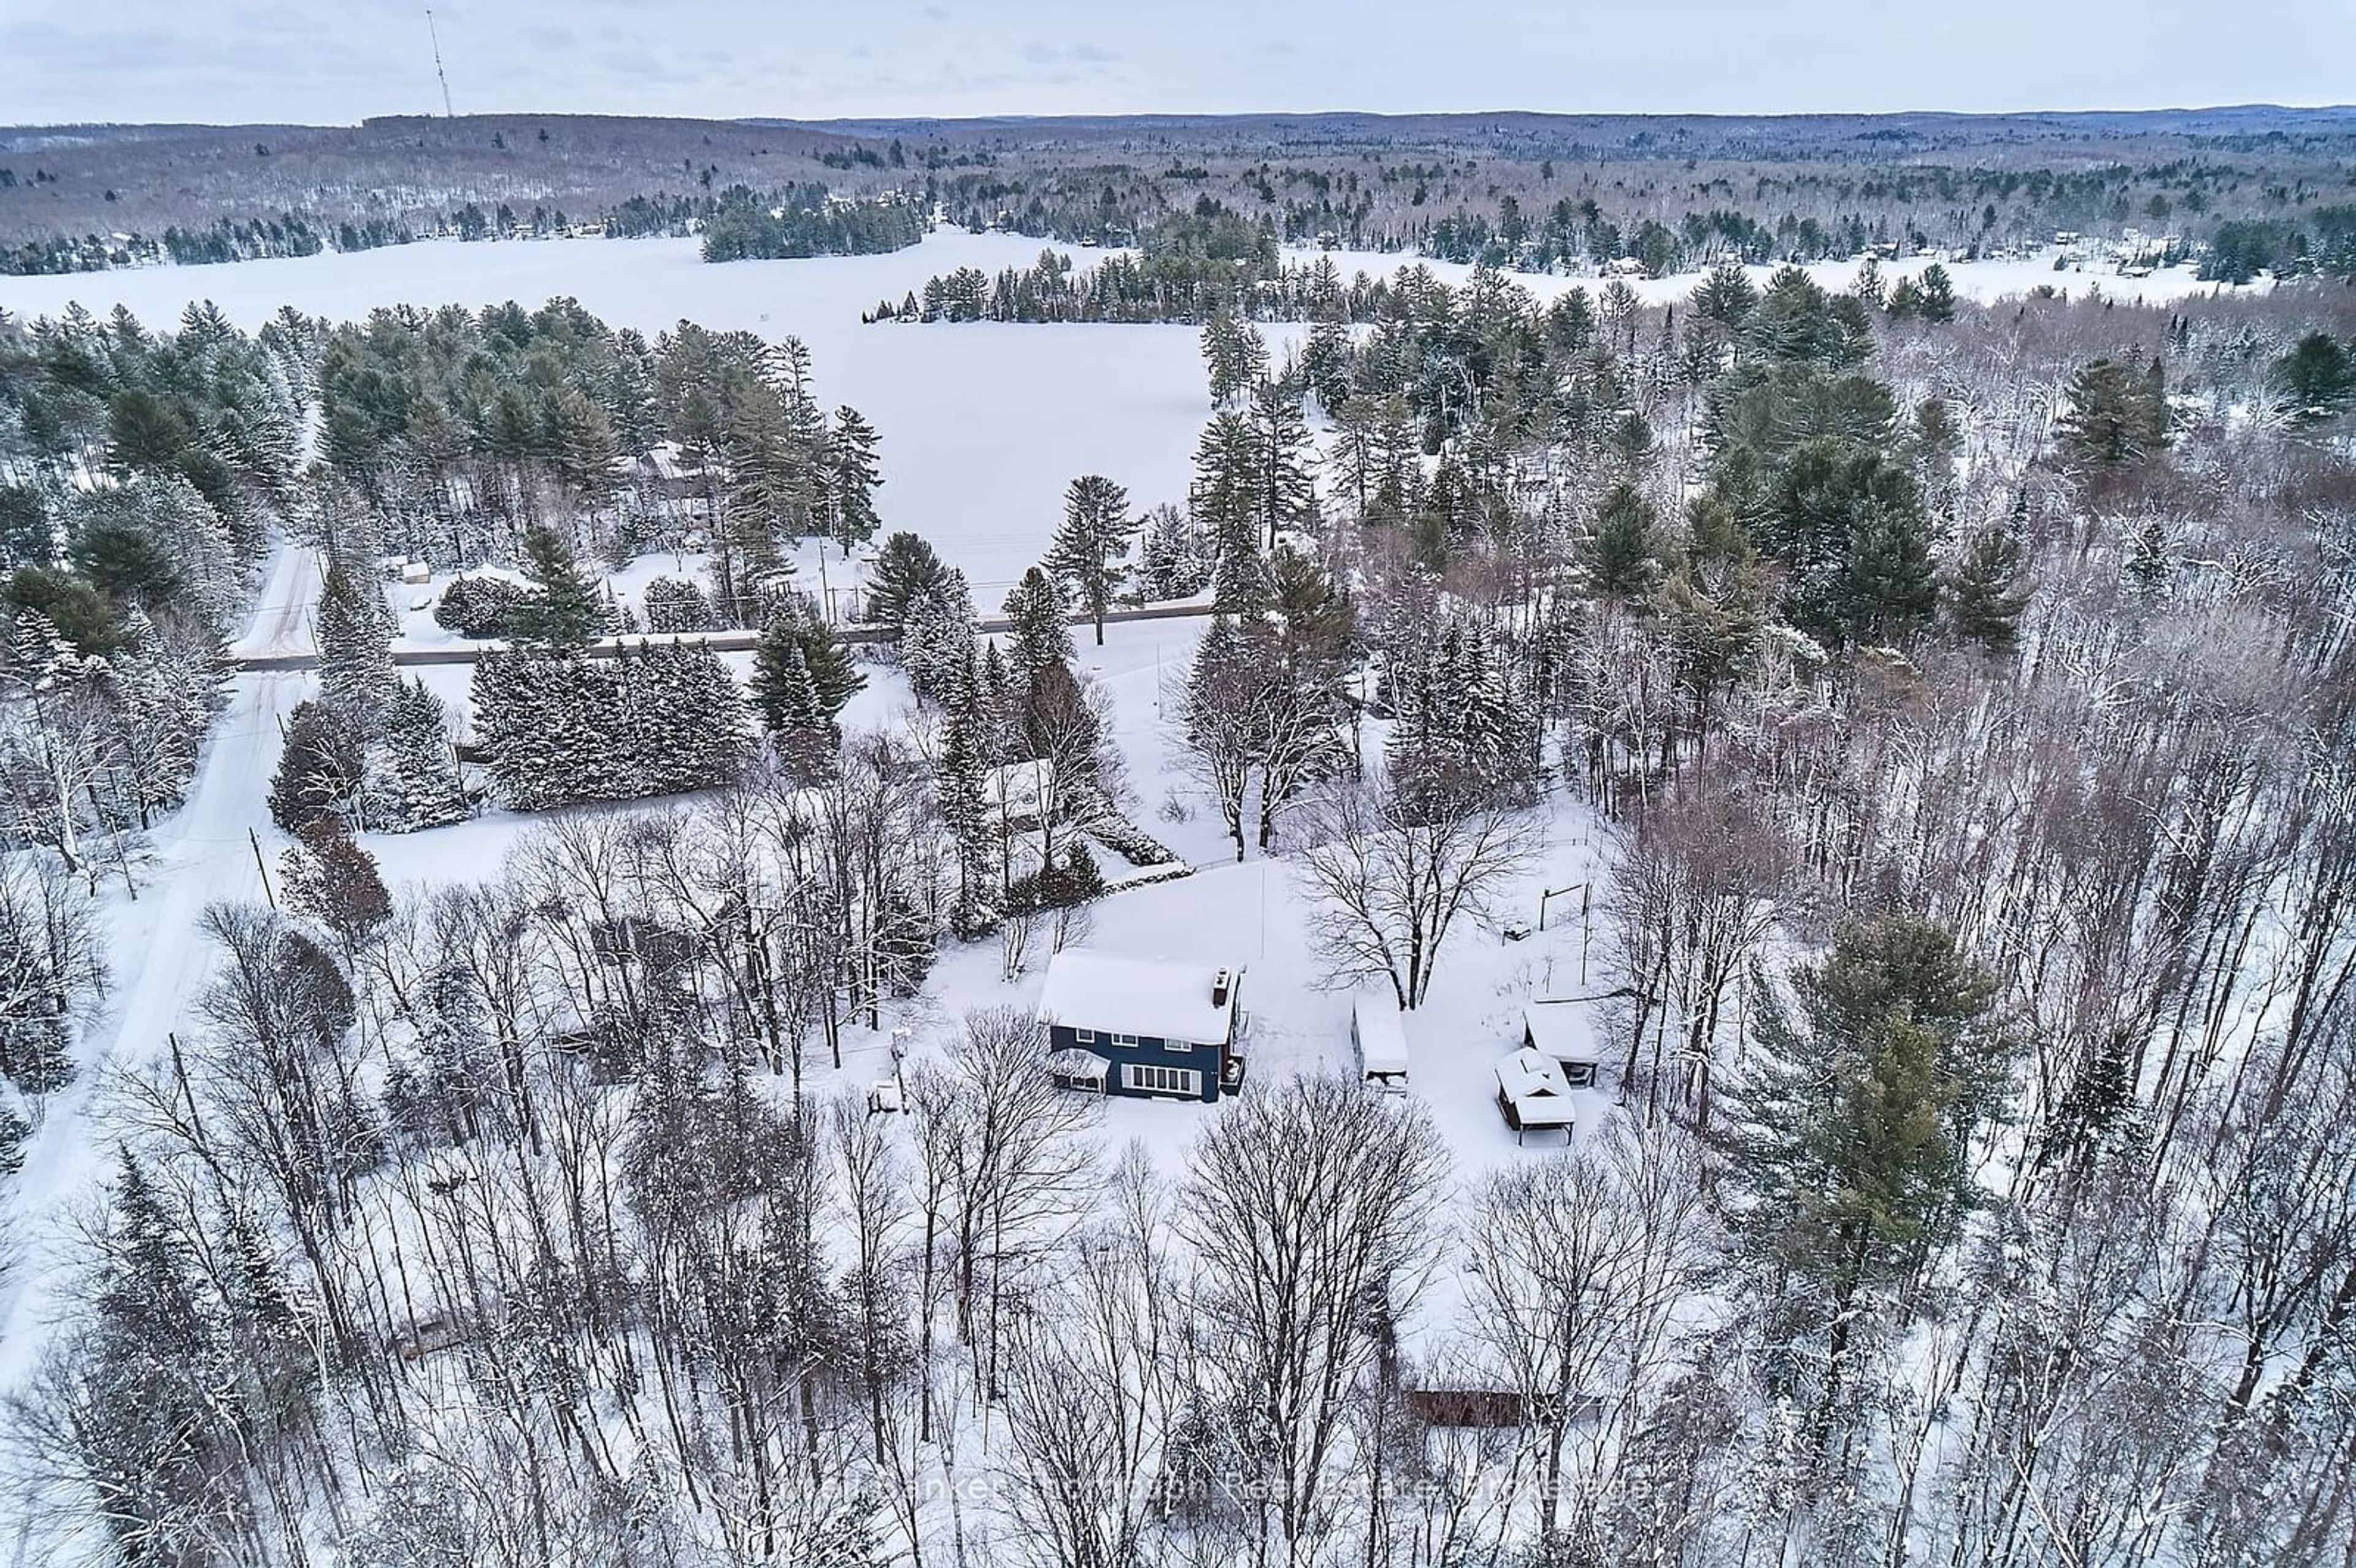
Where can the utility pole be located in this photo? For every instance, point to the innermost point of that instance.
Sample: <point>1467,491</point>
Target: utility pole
<point>447,112</point>
<point>262,866</point>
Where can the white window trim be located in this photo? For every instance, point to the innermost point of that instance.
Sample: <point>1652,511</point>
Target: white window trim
<point>1084,1036</point>
<point>1151,1079</point>
<point>1124,1039</point>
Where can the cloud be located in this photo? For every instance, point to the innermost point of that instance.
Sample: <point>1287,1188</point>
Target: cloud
<point>334,62</point>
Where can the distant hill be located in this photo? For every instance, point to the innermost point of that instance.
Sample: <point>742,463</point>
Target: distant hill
<point>1939,179</point>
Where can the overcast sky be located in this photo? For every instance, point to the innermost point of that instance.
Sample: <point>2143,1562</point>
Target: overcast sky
<point>338,61</point>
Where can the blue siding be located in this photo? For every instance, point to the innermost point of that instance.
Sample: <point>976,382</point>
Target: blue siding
<point>1147,1050</point>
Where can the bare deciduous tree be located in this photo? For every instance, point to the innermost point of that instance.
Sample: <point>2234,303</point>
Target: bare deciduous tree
<point>1389,874</point>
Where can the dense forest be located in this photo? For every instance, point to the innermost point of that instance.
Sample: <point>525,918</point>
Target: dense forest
<point>1966,694</point>
<point>2263,188</point>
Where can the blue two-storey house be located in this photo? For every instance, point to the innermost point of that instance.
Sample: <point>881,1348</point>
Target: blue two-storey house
<point>1142,1026</point>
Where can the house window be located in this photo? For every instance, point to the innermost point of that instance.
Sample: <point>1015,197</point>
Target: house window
<point>1124,1039</point>
<point>1084,1036</point>
<point>1147,1079</point>
<point>1182,1047</point>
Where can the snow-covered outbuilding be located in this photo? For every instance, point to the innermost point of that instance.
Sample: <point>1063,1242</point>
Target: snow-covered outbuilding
<point>1378,1036</point>
<point>1532,1095</point>
<point>1159,1030</point>
<point>1564,1032</point>
<point>1018,792</point>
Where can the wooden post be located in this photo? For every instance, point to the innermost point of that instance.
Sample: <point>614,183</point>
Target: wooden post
<point>1586,927</point>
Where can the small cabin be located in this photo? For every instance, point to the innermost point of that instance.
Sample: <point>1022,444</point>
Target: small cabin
<point>1564,1032</point>
<point>1378,1038</point>
<point>1145,1027</point>
<point>1017,794</point>
<point>1532,1095</point>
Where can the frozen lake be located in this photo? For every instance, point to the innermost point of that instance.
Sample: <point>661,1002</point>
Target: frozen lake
<point>982,424</point>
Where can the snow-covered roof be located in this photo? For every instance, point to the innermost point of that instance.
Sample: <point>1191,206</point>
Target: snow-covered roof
<point>1114,994</point>
<point>1382,1033</point>
<point>1564,1031</point>
<point>1019,787</point>
<point>1535,1084</point>
<point>1077,1063</point>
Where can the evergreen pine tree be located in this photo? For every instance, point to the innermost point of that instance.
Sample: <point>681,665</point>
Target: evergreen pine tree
<point>321,768</point>
<point>2115,416</point>
<point>1622,557</point>
<point>585,451</point>
<point>15,1133</point>
<point>1727,297</point>
<point>1038,637</point>
<point>937,639</point>
<point>852,476</point>
<point>1938,297</point>
<point>422,788</point>
<point>1226,502</point>
<point>565,611</point>
<point>150,1357</point>
<point>676,604</point>
<point>682,716</point>
<point>1715,531</point>
<point>1092,545</point>
<point>1888,585</point>
<point>959,781</point>
<point>802,673</point>
<point>1325,365</point>
<point>549,727</point>
<point>905,566</point>
<point>1175,559</point>
<point>782,686</point>
<point>1852,1133</point>
<point>355,650</point>
<point>2317,377</point>
<point>1234,354</point>
<point>1283,460</point>
<point>1988,593</point>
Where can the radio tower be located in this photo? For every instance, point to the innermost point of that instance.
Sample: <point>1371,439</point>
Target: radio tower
<point>447,113</point>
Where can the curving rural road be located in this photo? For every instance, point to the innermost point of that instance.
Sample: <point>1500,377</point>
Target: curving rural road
<point>280,650</point>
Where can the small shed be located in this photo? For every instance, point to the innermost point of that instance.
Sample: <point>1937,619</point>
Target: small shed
<point>1018,792</point>
<point>1378,1036</point>
<point>1564,1032</point>
<point>1532,1095</point>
